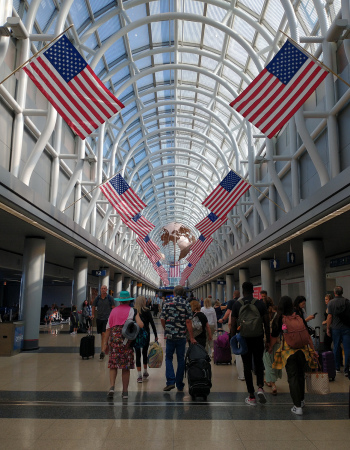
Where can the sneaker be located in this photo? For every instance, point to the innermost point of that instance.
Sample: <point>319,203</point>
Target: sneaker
<point>145,375</point>
<point>102,355</point>
<point>169,387</point>
<point>302,403</point>
<point>139,379</point>
<point>110,392</point>
<point>72,333</point>
<point>297,411</point>
<point>125,394</point>
<point>337,371</point>
<point>261,395</point>
<point>250,401</point>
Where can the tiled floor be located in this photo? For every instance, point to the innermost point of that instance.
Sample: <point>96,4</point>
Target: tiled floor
<point>52,399</point>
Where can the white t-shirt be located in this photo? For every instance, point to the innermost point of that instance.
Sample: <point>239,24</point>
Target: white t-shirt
<point>210,314</point>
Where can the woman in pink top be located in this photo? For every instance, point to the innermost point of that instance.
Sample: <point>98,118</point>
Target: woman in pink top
<point>121,356</point>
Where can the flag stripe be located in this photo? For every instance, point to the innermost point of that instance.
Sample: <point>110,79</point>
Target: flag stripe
<point>290,90</point>
<point>221,202</point>
<point>82,91</point>
<point>254,85</point>
<point>106,92</point>
<point>118,203</point>
<point>51,93</point>
<point>100,99</point>
<point>68,98</point>
<point>56,106</point>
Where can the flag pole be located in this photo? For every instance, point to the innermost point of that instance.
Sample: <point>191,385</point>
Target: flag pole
<point>37,53</point>
<point>268,198</point>
<point>317,60</point>
<point>92,190</point>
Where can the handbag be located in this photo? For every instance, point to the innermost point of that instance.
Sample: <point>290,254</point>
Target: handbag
<point>155,356</point>
<point>141,339</point>
<point>317,382</point>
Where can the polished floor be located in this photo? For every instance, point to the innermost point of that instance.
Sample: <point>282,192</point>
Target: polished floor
<point>53,399</point>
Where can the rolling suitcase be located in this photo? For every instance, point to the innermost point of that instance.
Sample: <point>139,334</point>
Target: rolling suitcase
<point>222,349</point>
<point>87,346</point>
<point>198,371</point>
<point>328,364</point>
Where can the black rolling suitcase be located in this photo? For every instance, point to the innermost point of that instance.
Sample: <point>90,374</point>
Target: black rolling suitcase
<point>198,371</point>
<point>87,346</point>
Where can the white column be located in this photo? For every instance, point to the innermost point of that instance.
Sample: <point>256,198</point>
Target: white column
<point>243,275</point>
<point>213,290</point>
<point>134,288</point>
<point>220,288</point>
<point>32,290</point>
<point>315,279</point>
<point>105,279</point>
<point>80,281</point>
<point>229,286</point>
<point>268,279</point>
<point>126,284</point>
<point>208,290</point>
<point>117,284</point>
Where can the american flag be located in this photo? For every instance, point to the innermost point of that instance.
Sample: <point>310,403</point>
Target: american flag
<point>226,194</point>
<point>280,89</point>
<point>161,272</point>
<point>139,224</point>
<point>186,273</point>
<point>174,270</point>
<point>210,224</point>
<point>154,258</point>
<point>122,197</point>
<point>72,87</point>
<point>148,246</point>
<point>199,248</point>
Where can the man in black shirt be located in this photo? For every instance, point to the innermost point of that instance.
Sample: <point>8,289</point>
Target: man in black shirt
<point>230,304</point>
<point>255,344</point>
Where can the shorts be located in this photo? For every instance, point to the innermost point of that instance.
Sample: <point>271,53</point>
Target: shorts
<point>101,326</point>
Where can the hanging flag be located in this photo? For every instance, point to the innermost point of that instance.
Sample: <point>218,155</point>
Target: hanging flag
<point>210,224</point>
<point>174,270</point>
<point>148,246</point>
<point>276,94</point>
<point>72,87</point>
<point>226,194</point>
<point>122,197</point>
<point>186,273</point>
<point>199,248</point>
<point>139,224</point>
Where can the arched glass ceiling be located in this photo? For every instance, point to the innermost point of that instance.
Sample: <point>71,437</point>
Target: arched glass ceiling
<point>176,65</point>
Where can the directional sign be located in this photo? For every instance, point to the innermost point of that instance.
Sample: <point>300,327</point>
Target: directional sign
<point>98,273</point>
<point>221,282</point>
<point>274,263</point>
<point>291,258</point>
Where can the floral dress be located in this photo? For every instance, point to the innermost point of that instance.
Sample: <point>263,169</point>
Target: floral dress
<point>120,356</point>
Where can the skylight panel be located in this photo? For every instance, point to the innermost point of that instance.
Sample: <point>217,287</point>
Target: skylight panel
<point>207,82</point>
<point>213,38</point>
<point>122,75</point>
<point>109,28</point>
<point>44,14</point>
<point>79,13</point>
<point>254,5</point>
<point>208,63</point>
<point>145,81</point>
<point>191,32</point>
<point>143,63</point>
<point>273,14</point>
<point>139,38</point>
<point>188,58</point>
<point>237,52</point>
<point>162,58</point>
<point>188,76</point>
<point>244,29</point>
<point>116,52</point>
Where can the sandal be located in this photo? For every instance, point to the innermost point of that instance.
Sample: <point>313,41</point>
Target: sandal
<point>268,384</point>
<point>274,390</point>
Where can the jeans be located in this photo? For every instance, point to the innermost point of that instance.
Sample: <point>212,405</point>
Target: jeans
<point>255,350</point>
<point>295,369</point>
<point>178,346</point>
<point>341,336</point>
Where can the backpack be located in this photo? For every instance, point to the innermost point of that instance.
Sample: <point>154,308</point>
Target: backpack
<point>296,335</point>
<point>141,339</point>
<point>196,326</point>
<point>343,313</point>
<point>249,319</point>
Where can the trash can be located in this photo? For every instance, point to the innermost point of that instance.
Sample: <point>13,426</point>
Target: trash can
<point>11,338</point>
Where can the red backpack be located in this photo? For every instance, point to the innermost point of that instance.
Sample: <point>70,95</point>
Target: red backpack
<point>296,335</point>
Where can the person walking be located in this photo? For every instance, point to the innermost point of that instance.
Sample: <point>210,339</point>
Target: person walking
<point>254,336</point>
<point>338,329</point>
<point>294,360</point>
<point>175,318</point>
<point>146,317</point>
<point>210,314</point>
<point>204,334</point>
<point>87,316</point>
<point>104,303</point>
<point>121,354</point>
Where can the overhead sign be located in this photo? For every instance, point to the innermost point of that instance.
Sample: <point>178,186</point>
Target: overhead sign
<point>256,291</point>
<point>290,258</point>
<point>344,261</point>
<point>139,284</point>
<point>221,282</point>
<point>98,273</point>
<point>274,263</point>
